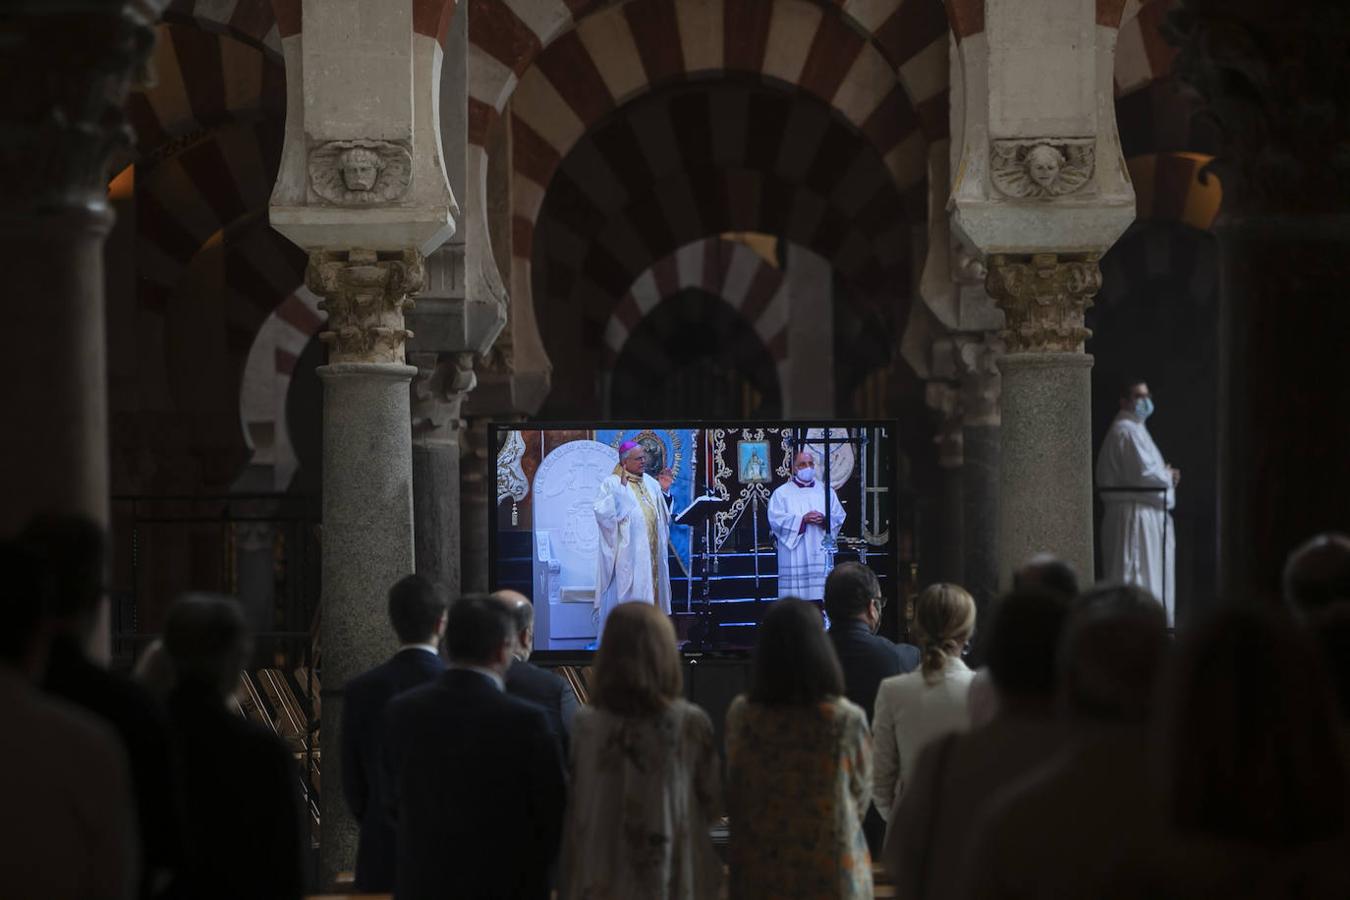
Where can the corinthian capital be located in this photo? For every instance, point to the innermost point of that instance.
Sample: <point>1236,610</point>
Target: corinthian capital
<point>1043,297</point>
<point>61,114</point>
<point>438,391</point>
<point>365,297</point>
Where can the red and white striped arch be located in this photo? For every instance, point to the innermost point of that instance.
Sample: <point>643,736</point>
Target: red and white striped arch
<point>724,268</point>
<point>251,21</point>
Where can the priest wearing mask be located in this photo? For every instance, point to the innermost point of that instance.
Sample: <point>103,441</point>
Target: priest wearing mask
<point>1138,537</point>
<point>797,520</point>
<point>632,512</point>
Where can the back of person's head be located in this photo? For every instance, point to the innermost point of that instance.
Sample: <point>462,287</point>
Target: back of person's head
<point>207,641</point>
<point>794,662</point>
<point>73,552</point>
<point>1252,749</point>
<point>478,630</point>
<point>637,668</point>
<point>1047,574</point>
<point>1113,647</point>
<point>1021,637</point>
<point>1317,573</point>
<point>522,610</point>
<point>20,605</point>
<point>944,620</point>
<point>850,589</point>
<point>415,609</point>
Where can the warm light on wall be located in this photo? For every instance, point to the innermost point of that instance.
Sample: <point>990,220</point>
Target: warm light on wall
<point>1167,187</point>
<point>123,184</point>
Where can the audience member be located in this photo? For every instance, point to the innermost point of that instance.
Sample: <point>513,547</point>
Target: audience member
<point>1317,573</point>
<point>799,766</point>
<point>1043,573</point>
<point>417,611</point>
<point>1063,829</point>
<point>530,682</point>
<point>644,773</point>
<point>473,776</point>
<point>956,774</point>
<point>1255,775</point>
<point>73,554</point>
<point>154,671</point>
<point>917,707</point>
<point>240,783</point>
<point>69,829</point>
<point>854,603</point>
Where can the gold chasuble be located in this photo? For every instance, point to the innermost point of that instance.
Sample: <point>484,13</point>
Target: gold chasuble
<point>634,483</point>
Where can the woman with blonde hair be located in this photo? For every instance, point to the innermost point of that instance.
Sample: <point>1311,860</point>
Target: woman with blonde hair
<point>645,785</point>
<point>914,708</point>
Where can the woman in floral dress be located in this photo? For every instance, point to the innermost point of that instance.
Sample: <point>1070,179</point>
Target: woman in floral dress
<point>799,768</point>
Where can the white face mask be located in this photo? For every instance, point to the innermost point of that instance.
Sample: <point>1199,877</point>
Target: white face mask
<point>807,474</point>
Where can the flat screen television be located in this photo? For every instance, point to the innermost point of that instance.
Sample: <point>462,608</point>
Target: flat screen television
<point>723,560</point>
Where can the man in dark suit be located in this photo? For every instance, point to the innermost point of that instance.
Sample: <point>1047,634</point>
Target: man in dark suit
<point>241,787</point>
<point>530,682</point>
<point>72,554</point>
<point>853,602</point>
<point>474,776</point>
<point>417,611</point>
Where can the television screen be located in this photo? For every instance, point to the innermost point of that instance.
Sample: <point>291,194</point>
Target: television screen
<point>743,521</point>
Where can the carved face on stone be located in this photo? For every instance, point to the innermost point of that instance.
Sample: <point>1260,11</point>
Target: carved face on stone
<point>1043,165</point>
<point>360,168</point>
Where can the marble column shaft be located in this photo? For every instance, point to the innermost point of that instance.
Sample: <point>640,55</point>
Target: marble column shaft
<point>438,394</point>
<point>1045,459</point>
<point>367,490</point>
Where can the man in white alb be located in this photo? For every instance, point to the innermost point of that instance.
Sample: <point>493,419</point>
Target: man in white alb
<point>797,520</point>
<point>1138,537</point>
<point>632,511</point>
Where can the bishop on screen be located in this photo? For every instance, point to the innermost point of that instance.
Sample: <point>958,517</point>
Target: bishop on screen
<point>632,512</point>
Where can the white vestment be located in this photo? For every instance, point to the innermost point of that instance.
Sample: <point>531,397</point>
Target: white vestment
<point>1138,537</point>
<point>801,558</point>
<point>631,560</point>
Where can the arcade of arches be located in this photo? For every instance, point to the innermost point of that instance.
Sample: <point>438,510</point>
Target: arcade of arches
<point>584,209</point>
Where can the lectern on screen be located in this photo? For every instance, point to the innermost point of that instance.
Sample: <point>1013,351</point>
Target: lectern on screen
<point>723,559</point>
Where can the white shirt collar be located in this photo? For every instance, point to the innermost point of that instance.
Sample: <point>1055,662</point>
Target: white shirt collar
<point>496,679</point>
<point>430,648</point>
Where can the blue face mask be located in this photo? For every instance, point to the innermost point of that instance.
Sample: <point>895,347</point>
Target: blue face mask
<point>1143,407</point>
<point>807,474</point>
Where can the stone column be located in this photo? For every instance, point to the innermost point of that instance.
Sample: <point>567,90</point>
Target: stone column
<point>949,530</point>
<point>65,73</point>
<point>367,487</point>
<point>1045,496</point>
<point>437,394</point>
<point>1274,78</point>
<point>1041,191</point>
<point>980,452</point>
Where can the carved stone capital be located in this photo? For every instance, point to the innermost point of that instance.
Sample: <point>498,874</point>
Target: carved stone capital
<point>438,391</point>
<point>981,382</point>
<point>65,73</point>
<point>365,296</point>
<point>1043,297</point>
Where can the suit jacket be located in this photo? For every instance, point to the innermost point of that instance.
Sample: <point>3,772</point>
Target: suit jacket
<point>363,707</point>
<point>140,723</point>
<point>868,658</point>
<point>241,802</point>
<point>475,779</point>
<point>538,685</point>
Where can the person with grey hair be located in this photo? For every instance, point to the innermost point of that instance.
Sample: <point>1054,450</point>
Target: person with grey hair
<point>240,785</point>
<point>533,683</point>
<point>1064,829</point>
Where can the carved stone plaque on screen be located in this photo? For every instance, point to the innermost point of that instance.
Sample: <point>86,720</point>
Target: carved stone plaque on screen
<point>565,487</point>
<point>360,173</point>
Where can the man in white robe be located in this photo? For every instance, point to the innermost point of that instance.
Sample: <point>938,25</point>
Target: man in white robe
<point>632,511</point>
<point>1138,536</point>
<point>797,520</point>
